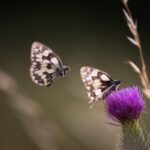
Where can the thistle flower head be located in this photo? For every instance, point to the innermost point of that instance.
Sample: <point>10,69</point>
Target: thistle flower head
<point>126,104</point>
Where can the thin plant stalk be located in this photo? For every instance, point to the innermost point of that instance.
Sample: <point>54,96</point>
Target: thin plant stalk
<point>135,40</point>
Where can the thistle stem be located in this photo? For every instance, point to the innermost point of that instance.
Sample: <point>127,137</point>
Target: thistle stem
<point>134,137</point>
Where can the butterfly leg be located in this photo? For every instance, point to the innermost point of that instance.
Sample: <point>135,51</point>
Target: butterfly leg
<point>93,102</point>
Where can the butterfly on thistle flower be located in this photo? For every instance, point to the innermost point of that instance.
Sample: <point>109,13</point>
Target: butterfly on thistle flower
<point>46,65</point>
<point>97,83</point>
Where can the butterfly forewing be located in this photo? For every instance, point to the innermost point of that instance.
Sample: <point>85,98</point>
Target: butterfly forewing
<point>96,83</point>
<point>44,64</point>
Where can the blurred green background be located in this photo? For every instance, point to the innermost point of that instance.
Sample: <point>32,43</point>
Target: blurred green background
<point>82,33</point>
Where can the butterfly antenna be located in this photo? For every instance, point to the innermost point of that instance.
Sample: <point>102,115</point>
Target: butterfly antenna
<point>91,103</point>
<point>115,124</point>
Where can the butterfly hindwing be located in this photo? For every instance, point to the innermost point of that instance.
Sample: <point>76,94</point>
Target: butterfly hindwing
<point>97,83</point>
<point>45,64</point>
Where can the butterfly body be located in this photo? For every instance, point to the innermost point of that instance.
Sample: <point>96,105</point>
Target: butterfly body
<point>63,71</point>
<point>46,65</point>
<point>97,83</point>
<point>111,86</point>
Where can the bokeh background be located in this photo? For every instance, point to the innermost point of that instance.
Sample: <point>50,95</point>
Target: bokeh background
<point>82,33</point>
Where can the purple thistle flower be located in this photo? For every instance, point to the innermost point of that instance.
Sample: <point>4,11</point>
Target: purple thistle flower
<point>126,104</point>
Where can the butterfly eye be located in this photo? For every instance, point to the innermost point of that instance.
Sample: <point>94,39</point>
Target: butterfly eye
<point>66,69</point>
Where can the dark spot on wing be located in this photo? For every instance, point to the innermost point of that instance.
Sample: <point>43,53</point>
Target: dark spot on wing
<point>49,66</point>
<point>38,78</point>
<point>44,57</point>
<point>48,75</point>
<point>38,66</point>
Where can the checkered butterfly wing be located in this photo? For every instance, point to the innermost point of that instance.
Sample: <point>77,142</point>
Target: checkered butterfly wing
<point>45,64</point>
<point>97,83</point>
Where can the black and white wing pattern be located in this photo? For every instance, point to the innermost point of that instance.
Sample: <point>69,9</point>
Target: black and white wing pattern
<point>46,65</point>
<point>97,83</point>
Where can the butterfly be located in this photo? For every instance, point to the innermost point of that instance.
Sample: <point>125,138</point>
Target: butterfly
<point>97,83</point>
<point>46,65</point>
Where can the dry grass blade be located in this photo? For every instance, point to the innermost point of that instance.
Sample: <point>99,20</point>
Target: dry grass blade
<point>41,129</point>
<point>132,26</point>
<point>30,113</point>
<point>137,70</point>
<point>134,66</point>
<point>132,41</point>
<point>125,1</point>
<point>135,40</point>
